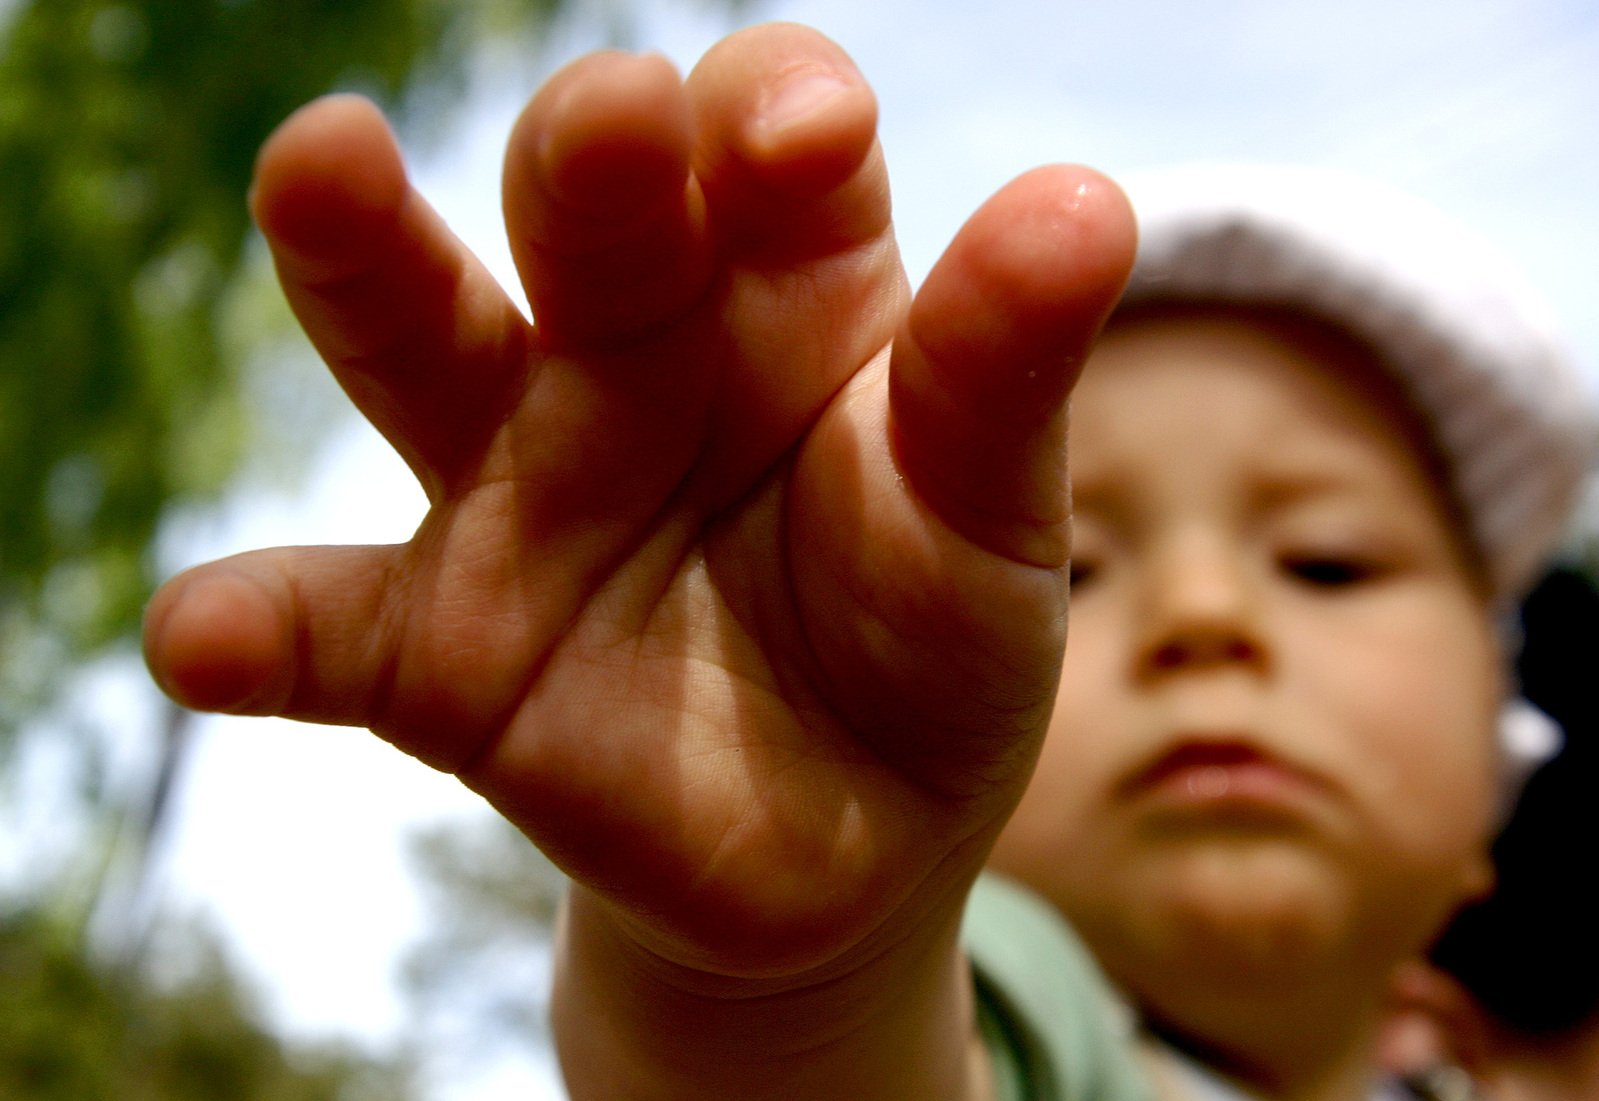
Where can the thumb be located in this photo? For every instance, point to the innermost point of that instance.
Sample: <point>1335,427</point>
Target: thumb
<point>297,632</point>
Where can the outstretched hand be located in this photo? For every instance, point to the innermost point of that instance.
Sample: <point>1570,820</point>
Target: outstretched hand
<point>744,571</point>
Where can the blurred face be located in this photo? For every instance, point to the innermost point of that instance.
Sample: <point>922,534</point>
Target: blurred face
<point>1273,742</point>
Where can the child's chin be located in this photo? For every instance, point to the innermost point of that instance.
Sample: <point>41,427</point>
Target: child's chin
<point>1264,911</point>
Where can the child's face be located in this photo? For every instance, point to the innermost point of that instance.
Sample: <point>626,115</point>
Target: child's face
<point>1273,742</point>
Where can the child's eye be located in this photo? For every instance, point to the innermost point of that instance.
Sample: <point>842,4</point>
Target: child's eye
<point>1330,571</point>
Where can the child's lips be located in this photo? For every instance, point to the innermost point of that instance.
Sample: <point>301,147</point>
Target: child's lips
<point>1222,774</point>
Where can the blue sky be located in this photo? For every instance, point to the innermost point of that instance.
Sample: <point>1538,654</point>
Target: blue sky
<point>293,837</point>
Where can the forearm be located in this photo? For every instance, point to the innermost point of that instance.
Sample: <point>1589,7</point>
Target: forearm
<point>894,1024</point>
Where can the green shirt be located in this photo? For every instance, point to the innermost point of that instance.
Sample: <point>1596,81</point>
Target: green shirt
<point>1055,1030</point>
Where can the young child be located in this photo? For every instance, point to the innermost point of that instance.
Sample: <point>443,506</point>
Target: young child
<point>743,595</point>
<point>1319,445</point>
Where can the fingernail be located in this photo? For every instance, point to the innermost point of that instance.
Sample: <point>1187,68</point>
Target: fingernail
<point>798,97</point>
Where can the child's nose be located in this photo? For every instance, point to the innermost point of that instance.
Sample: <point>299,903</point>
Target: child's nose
<point>1200,612</point>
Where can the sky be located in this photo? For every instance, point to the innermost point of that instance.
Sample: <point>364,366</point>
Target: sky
<point>294,838</point>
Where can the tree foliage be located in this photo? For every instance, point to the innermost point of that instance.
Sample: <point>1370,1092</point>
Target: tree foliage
<point>75,1029</point>
<point>127,134</point>
<point>130,307</point>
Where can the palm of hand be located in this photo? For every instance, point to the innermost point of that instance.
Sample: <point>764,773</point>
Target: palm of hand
<point>702,603</point>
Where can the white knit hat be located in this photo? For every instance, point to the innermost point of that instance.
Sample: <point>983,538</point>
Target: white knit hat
<point>1466,338</point>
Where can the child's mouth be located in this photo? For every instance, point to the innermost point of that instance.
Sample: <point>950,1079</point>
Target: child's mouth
<point>1229,777</point>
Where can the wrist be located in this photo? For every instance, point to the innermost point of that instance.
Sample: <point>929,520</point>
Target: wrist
<point>890,1018</point>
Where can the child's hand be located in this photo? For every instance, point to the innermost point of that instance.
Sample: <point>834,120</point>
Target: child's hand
<point>742,591</point>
